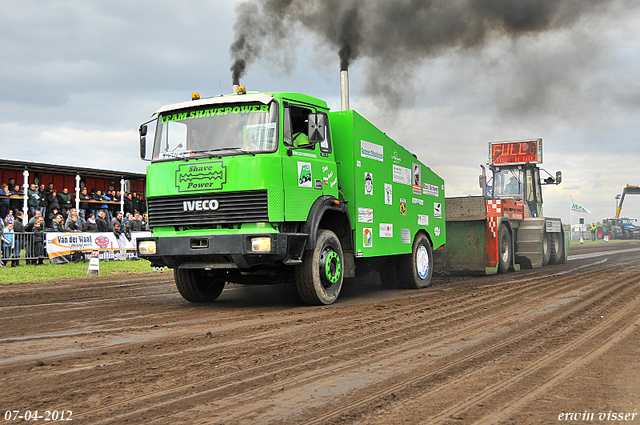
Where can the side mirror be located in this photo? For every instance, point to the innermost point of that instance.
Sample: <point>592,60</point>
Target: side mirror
<point>558,177</point>
<point>316,128</point>
<point>143,130</point>
<point>143,147</point>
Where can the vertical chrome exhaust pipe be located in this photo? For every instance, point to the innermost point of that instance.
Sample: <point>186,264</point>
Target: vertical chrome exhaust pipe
<point>344,89</point>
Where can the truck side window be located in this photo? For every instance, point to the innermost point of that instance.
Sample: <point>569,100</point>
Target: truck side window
<point>296,127</point>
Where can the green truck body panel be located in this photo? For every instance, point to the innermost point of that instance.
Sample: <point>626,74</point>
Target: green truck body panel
<point>377,177</point>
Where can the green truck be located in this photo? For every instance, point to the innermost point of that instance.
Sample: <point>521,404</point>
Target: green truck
<point>258,188</point>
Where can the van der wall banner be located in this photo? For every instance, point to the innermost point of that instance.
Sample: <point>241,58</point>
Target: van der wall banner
<point>371,151</point>
<point>203,176</point>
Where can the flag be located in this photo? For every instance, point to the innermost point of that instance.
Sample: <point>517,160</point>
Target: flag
<point>579,210</point>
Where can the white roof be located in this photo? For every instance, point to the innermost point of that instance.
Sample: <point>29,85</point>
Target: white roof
<point>233,98</point>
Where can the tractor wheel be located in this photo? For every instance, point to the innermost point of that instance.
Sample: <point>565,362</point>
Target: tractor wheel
<point>557,248</point>
<point>546,248</point>
<point>388,274</point>
<point>319,277</point>
<point>415,270</point>
<point>599,233</point>
<point>197,286</point>
<point>505,253</point>
<point>625,234</point>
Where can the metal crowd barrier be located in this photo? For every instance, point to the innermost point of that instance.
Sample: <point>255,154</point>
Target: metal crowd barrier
<point>30,247</point>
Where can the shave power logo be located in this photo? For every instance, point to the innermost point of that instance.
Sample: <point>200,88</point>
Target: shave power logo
<point>200,177</point>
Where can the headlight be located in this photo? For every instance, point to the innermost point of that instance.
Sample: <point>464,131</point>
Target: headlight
<point>147,247</point>
<point>261,244</point>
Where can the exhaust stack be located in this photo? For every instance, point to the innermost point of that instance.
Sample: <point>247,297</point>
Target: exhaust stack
<point>234,88</point>
<point>344,89</point>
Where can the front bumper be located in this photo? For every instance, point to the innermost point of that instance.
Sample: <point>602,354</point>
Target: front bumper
<point>224,251</point>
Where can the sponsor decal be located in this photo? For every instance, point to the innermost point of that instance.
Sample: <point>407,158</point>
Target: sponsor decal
<point>401,174</point>
<point>358,164</point>
<point>367,237</point>
<point>365,215</point>
<point>304,174</point>
<point>437,210</point>
<point>403,206</point>
<point>200,205</point>
<point>423,220</point>
<point>317,183</point>
<point>417,201</point>
<point>429,189</point>
<point>436,231</point>
<point>405,235</point>
<point>368,183</point>
<point>553,226</point>
<point>201,176</point>
<point>212,112</point>
<point>334,182</point>
<point>416,179</point>
<point>102,241</point>
<point>306,154</point>
<point>371,151</point>
<point>388,194</point>
<point>325,168</point>
<point>395,157</point>
<point>386,230</point>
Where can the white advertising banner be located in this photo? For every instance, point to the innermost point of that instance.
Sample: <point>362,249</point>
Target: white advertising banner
<point>67,247</point>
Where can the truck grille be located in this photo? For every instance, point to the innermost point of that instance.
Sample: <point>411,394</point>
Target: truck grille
<point>232,207</point>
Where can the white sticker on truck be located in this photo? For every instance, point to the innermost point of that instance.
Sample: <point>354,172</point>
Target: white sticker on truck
<point>423,220</point>
<point>371,151</point>
<point>401,174</point>
<point>386,230</point>
<point>365,215</point>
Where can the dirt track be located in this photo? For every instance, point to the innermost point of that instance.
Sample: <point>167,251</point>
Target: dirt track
<point>518,348</point>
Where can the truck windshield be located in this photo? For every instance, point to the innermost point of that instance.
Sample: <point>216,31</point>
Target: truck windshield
<point>508,184</point>
<point>231,129</point>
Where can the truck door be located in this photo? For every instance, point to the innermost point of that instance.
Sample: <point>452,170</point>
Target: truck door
<point>309,171</point>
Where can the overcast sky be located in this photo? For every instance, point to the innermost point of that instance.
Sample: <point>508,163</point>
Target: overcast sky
<point>78,78</point>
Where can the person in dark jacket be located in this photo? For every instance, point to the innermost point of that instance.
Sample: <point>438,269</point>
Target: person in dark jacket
<point>64,198</point>
<point>84,205</point>
<point>58,224</point>
<point>91,225</point>
<point>16,204</point>
<point>101,222</point>
<point>18,229</point>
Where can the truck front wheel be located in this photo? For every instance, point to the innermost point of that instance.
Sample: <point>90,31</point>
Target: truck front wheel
<point>319,277</point>
<point>416,269</point>
<point>196,286</point>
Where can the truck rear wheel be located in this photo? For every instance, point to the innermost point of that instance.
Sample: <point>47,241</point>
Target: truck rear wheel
<point>546,249</point>
<point>415,270</point>
<point>196,286</point>
<point>557,248</point>
<point>505,253</point>
<point>319,278</point>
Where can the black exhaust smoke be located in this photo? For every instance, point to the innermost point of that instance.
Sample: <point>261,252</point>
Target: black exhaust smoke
<point>396,36</point>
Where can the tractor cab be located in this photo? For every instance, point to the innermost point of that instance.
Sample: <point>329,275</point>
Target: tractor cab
<point>516,175</point>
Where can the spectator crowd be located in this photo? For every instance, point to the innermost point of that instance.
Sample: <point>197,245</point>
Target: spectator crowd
<point>53,210</point>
